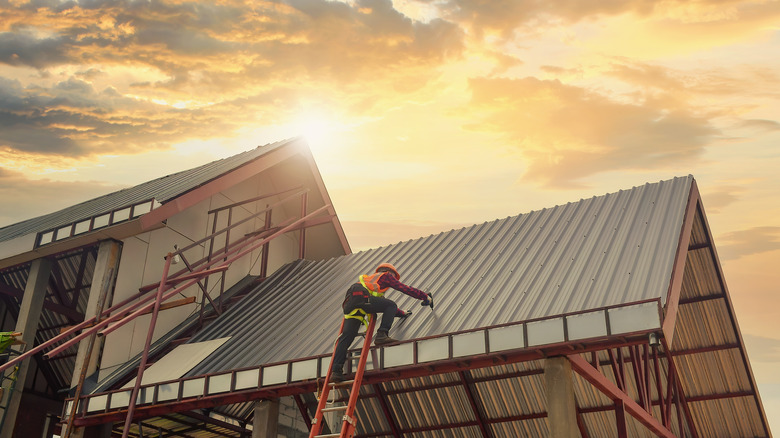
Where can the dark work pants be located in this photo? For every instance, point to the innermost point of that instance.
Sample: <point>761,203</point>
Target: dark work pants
<point>374,305</point>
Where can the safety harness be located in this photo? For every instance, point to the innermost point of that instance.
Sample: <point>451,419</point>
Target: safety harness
<point>370,283</point>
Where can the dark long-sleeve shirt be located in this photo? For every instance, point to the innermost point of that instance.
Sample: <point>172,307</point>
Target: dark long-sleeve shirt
<point>388,280</point>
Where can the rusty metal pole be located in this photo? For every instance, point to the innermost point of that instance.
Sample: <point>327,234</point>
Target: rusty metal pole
<point>145,355</point>
<point>140,308</point>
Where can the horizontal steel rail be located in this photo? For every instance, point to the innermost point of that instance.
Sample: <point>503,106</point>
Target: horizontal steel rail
<point>467,349</point>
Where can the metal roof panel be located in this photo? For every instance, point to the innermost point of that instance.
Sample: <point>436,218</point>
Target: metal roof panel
<point>161,189</point>
<point>612,249</point>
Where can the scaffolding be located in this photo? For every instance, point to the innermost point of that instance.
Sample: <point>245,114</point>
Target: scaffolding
<point>217,262</point>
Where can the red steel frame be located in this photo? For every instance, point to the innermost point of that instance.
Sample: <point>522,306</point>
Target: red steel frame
<point>184,278</point>
<point>629,356</point>
<point>122,309</point>
<point>636,341</point>
<point>243,249</point>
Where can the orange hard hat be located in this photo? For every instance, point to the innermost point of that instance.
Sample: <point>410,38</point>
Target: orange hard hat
<point>388,267</point>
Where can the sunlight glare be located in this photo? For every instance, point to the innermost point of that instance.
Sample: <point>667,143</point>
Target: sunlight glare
<point>318,129</point>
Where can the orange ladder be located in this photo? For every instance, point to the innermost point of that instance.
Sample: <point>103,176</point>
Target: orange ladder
<point>349,423</point>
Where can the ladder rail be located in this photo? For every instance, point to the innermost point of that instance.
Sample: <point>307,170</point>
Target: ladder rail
<point>348,423</point>
<point>316,425</point>
<point>348,427</point>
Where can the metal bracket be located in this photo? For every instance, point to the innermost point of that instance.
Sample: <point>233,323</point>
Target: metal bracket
<point>350,420</point>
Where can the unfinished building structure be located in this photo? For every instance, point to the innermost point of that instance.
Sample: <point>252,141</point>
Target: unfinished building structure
<point>606,317</point>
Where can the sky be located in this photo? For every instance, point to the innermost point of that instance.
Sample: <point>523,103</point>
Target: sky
<point>453,112</point>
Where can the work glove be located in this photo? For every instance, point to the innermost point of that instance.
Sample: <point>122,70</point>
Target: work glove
<point>428,301</point>
<point>403,314</point>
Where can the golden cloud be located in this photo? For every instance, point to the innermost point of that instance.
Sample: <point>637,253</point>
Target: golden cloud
<point>566,133</point>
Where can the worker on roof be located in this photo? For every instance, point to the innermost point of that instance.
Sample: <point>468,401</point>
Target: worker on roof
<point>367,297</point>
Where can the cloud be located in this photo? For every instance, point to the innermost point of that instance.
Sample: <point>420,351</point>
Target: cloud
<point>133,75</point>
<point>73,119</point>
<point>275,40</point>
<point>718,198</point>
<point>761,125</point>
<point>756,240</point>
<point>25,198</point>
<point>567,133</point>
<point>509,18</point>
<point>23,48</point>
<point>762,348</point>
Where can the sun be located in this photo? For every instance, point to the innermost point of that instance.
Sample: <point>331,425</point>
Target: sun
<point>314,127</point>
<point>319,129</point>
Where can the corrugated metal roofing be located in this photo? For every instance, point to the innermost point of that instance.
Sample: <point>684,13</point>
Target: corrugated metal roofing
<point>612,249</point>
<point>162,189</point>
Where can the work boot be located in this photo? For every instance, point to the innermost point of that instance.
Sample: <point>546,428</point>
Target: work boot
<point>382,338</point>
<point>337,375</point>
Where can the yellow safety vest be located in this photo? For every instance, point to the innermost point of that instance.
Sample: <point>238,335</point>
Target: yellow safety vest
<point>371,283</point>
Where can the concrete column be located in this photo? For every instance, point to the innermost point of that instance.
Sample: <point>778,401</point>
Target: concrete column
<point>27,323</point>
<point>266,419</point>
<point>100,293</point>
<point>561,407</point>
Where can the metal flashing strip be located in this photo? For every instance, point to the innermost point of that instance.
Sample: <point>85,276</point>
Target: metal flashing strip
<point>619,320</point>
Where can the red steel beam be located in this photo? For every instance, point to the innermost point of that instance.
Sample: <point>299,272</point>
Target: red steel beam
<point>638,377</point>
<point>80,276</point>
<point>382,397</point>
<point>379,376</point>
<point>466,381</point>
<point>85,323</point>
<point>659,389</point>
<point>730,308</point>
<point>609,389</point>
<point>124,312</point>
<point>198,275</point>
<point>581,423</point>
<point>256,198</point>
<point>678,268</point>
<point>323,192</point>
<point>215,422</point>
<point>193,427</point>
<point>680,396</point>
<point>54,307</point>
<point>218,184</point>
<point>215,233</point>
<point>620,419</point>
<point>304,411</point>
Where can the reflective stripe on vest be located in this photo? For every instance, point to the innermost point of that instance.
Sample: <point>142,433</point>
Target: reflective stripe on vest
<point>371,283</point>
<point>364,318</point>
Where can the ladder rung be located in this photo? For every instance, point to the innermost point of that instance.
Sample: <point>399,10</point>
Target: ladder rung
<point>335,408</point>
<point>333,435</point>
<point>342,383</point>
